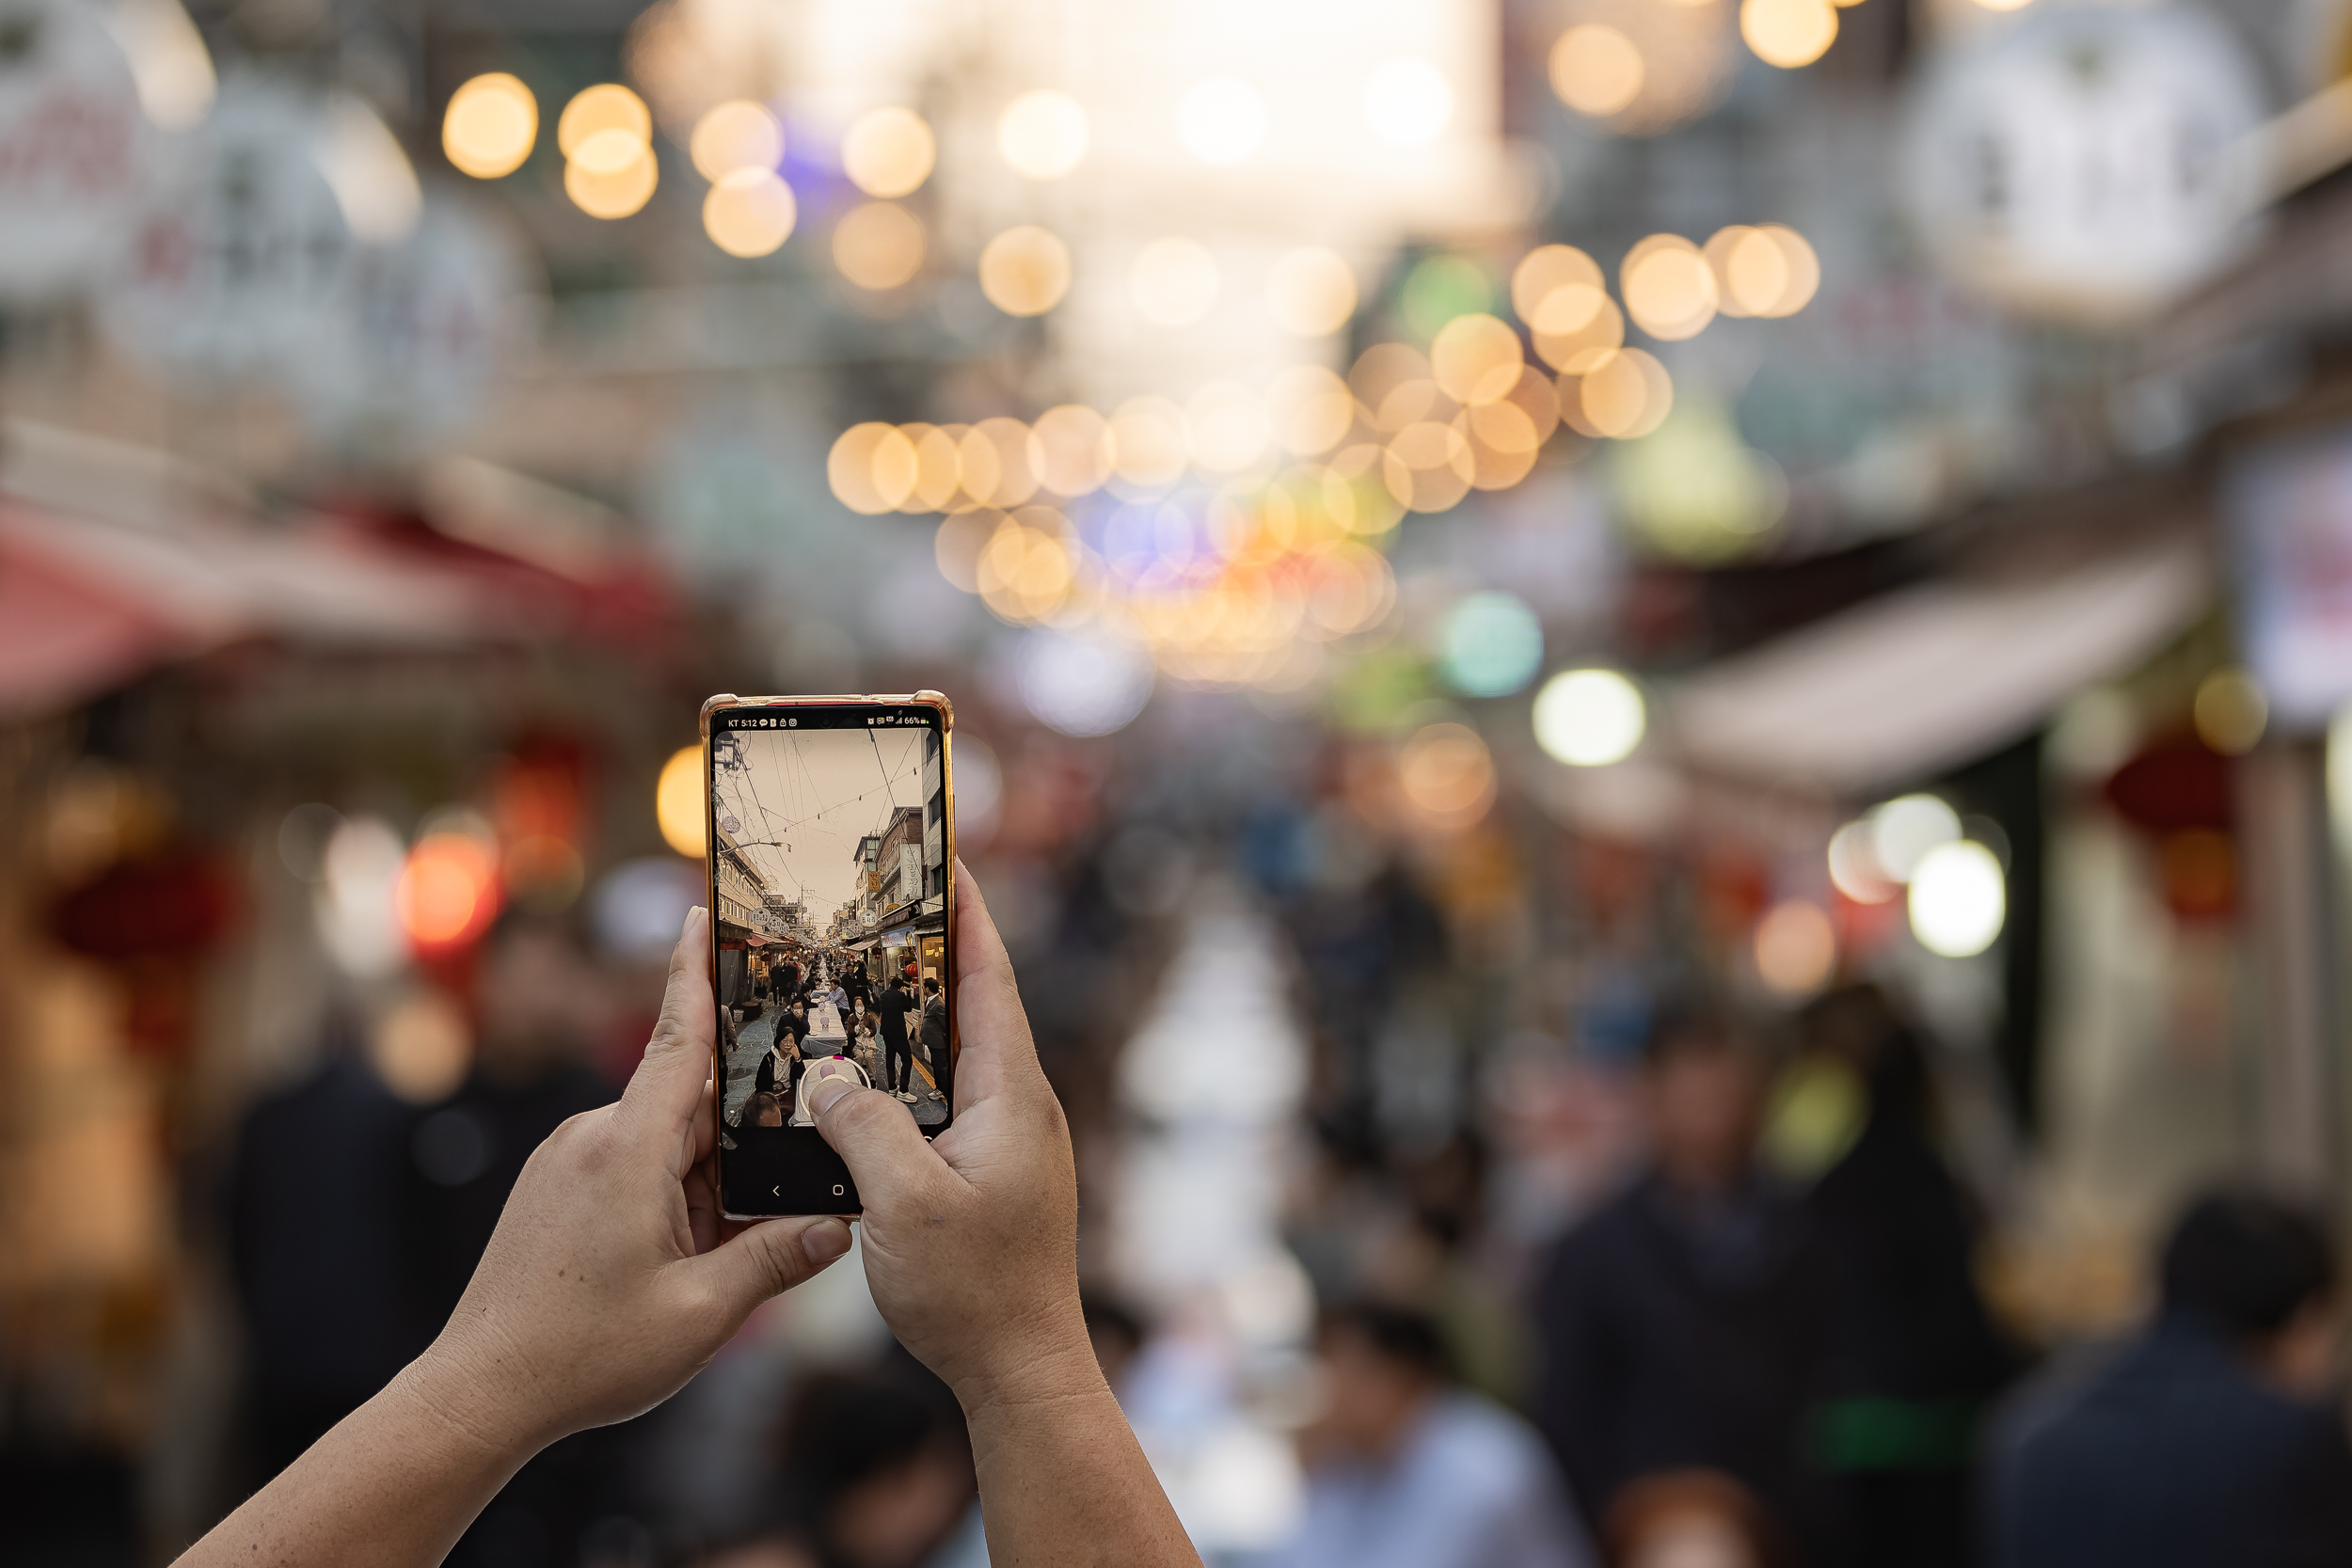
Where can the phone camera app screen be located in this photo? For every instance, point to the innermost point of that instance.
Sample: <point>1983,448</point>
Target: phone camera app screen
<point>827,832</point>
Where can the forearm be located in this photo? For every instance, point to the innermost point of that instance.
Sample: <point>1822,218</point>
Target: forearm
<point>1064,1481</point>
<point>394,1483</point>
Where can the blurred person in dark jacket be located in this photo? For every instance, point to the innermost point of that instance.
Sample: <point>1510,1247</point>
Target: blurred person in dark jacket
<point>311,1200</point>
<point>2211,1438</point>
<point>1912,1355</point>
<point>1682,1325</point>
<point>1408,1469</point>
<point>463,1158</point>
<point>875,1471</point>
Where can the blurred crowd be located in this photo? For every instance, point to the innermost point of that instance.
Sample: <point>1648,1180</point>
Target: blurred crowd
<point>1746,1331</point>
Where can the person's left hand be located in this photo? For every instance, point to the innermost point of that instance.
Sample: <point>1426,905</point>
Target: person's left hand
<point>610,1278</point>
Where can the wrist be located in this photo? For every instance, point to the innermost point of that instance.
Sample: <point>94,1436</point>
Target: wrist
<point>450,1390</point>
<point>1052,1361</point>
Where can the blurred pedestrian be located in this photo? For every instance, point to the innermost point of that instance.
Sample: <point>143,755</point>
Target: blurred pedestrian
<point>935,1038</point>
<point>1913,1355</point>
<point>1406,1469</point>
<point>2212,1437</point>
<point>1681,1325</point>
<point>465,1157</point>
<point>312,1223</point>
<point>892,1007</point>
<point>873,1471</point>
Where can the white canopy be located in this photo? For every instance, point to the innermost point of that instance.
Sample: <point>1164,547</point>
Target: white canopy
<point>1919,681</point>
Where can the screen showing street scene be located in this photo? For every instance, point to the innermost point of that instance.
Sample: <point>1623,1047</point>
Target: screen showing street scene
<point>829,871</point>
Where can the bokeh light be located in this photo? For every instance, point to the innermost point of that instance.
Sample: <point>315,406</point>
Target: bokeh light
<point>1221,121</point>
<point>736,134</point>
<point>1025,271</point>
<point>1559,292</point>
<point>677,802</point>
<point>1796,948</point>
<point>1789,33</point>
<point>357,920</point>
<point>1026,568</point>
<point>750,212</point>
<point>1407,102</point>
<point>1905,830</point>
<point>1071,450</point>
<point>889,152</point>
<point>1440,288</point>
<point>1447,775</point>
<point>855,471</point>
<point>1148,441</point>
<point>1309,409</point>
<point>1590,718</point>
<point>1669,289</point>
<point>1959,899</point>
<point>1475,360</point>
<point>1173,281</point>
<point>1624,397</point>
<point>1765,271</point>
<point>1226,427</point>
<point>1595,70</point>
<point>490,127</point>
<point>1311,292</point>
<point>448,891</point>
<point>996,463</point>
<point>2231,711</point>
<point>593,111</point>
<point>878,245</point>
<point>603,188</point>
<point>1694,491</point>
<point>1491,645</point>
<point>1083,686</point>
<point>1853,865</point>
<point>1043,134</point>
<point>605,134</point>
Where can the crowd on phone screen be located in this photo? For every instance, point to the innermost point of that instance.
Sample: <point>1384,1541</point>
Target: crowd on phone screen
<point>831,1018</point>
<point>1708,1364</point>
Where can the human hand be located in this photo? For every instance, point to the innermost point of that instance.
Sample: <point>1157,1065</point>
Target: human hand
<point>611,1278</point>
<point>971,1242</point>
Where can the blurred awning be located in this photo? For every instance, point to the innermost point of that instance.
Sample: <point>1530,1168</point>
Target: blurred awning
<point>113,560</point>
<point>63,637</point>
<point>1922,680</point>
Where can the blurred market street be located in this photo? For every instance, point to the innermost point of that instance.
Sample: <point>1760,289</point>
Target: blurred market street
<point>1656,696</point>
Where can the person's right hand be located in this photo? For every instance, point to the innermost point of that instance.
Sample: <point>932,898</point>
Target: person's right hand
<point>971,1239</point>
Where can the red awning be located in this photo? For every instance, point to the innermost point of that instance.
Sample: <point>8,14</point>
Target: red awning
<point>65,638</point>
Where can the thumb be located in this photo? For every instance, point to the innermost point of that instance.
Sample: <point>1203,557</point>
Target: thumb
<point>767,1260</point>
<point>886,1153</point>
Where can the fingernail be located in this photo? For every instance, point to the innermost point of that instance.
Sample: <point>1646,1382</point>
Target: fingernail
<point>827,1092</point>
<point>825,1241</point>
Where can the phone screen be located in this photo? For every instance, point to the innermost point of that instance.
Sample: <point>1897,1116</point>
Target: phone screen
<point>830,841</point>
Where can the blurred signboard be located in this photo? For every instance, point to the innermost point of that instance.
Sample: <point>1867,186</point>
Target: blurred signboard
<point>2088,162</point>
<point>72,139</point>
<point>2289,509</point>
<point>243,255</point>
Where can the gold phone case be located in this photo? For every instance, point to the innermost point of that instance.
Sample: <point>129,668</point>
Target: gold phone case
<point>947,841</point>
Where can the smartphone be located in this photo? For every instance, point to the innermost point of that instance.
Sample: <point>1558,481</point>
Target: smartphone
<point>832,845</point>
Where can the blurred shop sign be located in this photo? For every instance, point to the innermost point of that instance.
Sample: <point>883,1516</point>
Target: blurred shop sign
<point>244,253</point>
<point>2089,162</point>
<point>423,329</point>
<point>73,142</point>
<point>2289,512</point>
